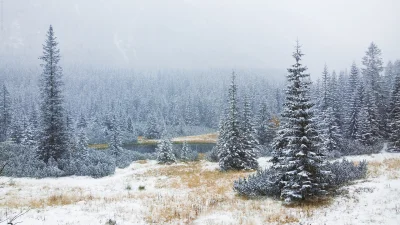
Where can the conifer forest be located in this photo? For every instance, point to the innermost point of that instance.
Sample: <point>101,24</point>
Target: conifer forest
<point>199,112</point>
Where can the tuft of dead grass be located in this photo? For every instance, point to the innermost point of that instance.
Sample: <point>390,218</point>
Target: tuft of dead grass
<point>52,200</point>
<point>391,167</point>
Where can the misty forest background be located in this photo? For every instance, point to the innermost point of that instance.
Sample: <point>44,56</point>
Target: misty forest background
<point>355,110</point>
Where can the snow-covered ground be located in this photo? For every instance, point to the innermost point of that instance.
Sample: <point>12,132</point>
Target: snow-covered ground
<point>194,193</point>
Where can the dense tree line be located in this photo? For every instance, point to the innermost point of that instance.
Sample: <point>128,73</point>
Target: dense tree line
<point>359,106</point>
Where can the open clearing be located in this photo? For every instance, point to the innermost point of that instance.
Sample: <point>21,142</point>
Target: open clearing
<point>194,193</point>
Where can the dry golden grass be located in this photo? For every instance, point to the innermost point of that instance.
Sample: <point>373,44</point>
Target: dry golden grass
<point>391,167</point>
<point>52,200</point>
<point>99,146</point>
<point>198,139</point>
<point>206,191</point>
<point>141,161</point>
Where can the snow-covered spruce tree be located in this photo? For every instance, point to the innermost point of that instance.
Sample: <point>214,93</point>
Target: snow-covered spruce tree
<point>53,135</point>
<point>5,113</point>
<point>325,102</point>
<point>164,151</point>
<point>17,128</point>
<point>82,143</point>
<point>357,101</point>
<point>232,155</point>
<point>330,134</point>
<point>373,66</point>
<point>115,137</point>
<point>184,154</point>
<point>390,76</point>
<point>129,125</point>
<point>264,128</point>
<point>394,114</point>
<point>336,102</point>
<point>249,141</point>
<point>29,135</point>
<point>71,134</point>
<point>82,123</point>
<point>296,157</point>
<point>153,130</point>
<point>353,102</point>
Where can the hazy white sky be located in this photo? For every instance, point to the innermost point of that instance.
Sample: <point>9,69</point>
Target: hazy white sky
<point>204,33</point>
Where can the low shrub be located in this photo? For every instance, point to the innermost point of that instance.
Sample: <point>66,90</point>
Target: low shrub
<point>212,155</point>
<point>22,162</point>
<point>268,182</point>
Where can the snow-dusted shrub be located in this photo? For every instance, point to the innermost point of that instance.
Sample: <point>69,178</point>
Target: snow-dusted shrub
<point>268,182</point>
<point>263,183</point>
<point>22,162</point>
<point>346,171</point>
<point>212,155</point>
<point>93,163</point>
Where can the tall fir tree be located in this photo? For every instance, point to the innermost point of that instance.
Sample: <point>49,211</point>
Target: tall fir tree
<point>5,113</point>
<point>325,102</point>
<point>367,123</point>
<point>353,104</point>
<point>373,66</point>
<point>264,128</point>
<point>330,134</point>
<point>82,143</point>
<point>356,102</point>
<point>115,137</point>
<point>296,156</point>
<point>394,114</point>
<point>248,135</point>
<point>185,151</point>
<point>232,155</point>
<point>53,135</point>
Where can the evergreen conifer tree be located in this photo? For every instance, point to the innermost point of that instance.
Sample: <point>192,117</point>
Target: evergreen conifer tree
<point>115,138</point>
<point>185,151</point>
<point>373,66</point>
<point>232,155</point>
<point>53,135</point>
<point>296,156</point>
<point>249,142</point>
<point>5,113</point>
<point>394,114</point>
<point>164,152</point>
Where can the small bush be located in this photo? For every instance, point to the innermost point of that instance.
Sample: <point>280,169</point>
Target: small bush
<point>346,171</point>
<point>263,183</point>
<point>111,222</point>
<point>267,182</point>
<point>22,162</point>
<point>141,188</point>
<point>212,155</point>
